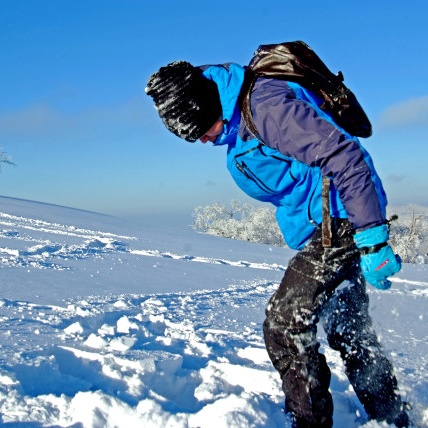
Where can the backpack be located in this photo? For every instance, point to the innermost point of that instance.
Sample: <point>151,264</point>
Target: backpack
<point>297,62</point>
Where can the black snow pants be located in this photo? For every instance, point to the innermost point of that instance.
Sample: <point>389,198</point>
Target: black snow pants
<point>309,293</point>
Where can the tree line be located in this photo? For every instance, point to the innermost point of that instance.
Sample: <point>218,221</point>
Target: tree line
<point>254,223</point>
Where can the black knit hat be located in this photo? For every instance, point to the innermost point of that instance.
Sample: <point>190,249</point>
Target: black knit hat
<point>187,102</point>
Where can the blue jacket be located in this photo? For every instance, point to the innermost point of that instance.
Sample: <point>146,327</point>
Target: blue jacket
<point>302,143</point>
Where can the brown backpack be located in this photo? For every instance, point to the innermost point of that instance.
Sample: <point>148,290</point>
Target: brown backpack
<point>297,62</point>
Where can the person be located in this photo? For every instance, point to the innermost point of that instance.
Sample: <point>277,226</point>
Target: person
<point>301,144</point>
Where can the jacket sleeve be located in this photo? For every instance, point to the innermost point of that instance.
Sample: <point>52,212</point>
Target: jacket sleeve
<point>300,130</point>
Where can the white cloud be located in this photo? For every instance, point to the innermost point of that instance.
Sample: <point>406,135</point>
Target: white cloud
<point>410,112</point>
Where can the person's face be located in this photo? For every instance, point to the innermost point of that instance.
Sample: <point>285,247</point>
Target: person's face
<point>212,133</point>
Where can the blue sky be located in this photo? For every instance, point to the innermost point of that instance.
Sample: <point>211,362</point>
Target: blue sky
<point>76,121</point>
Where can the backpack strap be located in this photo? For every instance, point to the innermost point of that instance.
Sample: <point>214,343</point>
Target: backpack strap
<point>245,104</point>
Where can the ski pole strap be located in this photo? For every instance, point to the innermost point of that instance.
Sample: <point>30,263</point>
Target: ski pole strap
<point>326,219</point>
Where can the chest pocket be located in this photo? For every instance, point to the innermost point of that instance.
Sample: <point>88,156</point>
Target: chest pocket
<point>263,173</point>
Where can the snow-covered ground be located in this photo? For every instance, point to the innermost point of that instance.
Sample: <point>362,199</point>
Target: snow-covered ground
<point>108,324</point>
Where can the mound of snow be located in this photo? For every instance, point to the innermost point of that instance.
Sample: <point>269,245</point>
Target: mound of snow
<point>104,323</point>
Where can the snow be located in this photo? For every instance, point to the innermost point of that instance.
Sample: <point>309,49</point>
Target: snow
<point>105,323</point>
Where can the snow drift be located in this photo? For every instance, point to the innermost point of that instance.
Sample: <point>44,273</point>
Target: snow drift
<point>109,324</point>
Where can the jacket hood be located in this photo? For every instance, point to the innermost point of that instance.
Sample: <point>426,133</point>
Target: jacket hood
<point>229,79</point>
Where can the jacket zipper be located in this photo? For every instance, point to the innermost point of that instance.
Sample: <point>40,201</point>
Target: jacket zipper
<point>251,176</point>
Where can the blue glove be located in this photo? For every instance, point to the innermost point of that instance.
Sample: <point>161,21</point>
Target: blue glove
<point>378,261</point>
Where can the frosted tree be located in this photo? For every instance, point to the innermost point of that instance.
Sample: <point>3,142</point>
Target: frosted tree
<point>207,219</point>
<point>408,235</point>
<point>240,221</point>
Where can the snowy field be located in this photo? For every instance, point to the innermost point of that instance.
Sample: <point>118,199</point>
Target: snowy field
<point>108,324</point>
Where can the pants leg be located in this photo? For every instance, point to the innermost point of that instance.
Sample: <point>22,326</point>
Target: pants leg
<point>307,293</point>
<point>292,345</point>
<point>290,328</point>
<point>348,326</point>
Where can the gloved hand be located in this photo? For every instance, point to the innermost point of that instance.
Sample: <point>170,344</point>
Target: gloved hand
<point>378,261</point>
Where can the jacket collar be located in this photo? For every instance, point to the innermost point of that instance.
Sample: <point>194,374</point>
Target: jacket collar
<point>229,79</point>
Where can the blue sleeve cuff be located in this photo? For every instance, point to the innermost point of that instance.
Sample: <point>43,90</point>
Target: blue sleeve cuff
<point>373,236</point>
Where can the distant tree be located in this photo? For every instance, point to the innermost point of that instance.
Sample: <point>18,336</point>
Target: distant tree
<point>240,221</point>
<point>408,235</point>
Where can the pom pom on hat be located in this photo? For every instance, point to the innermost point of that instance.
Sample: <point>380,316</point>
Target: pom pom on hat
<point>187,102</point>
